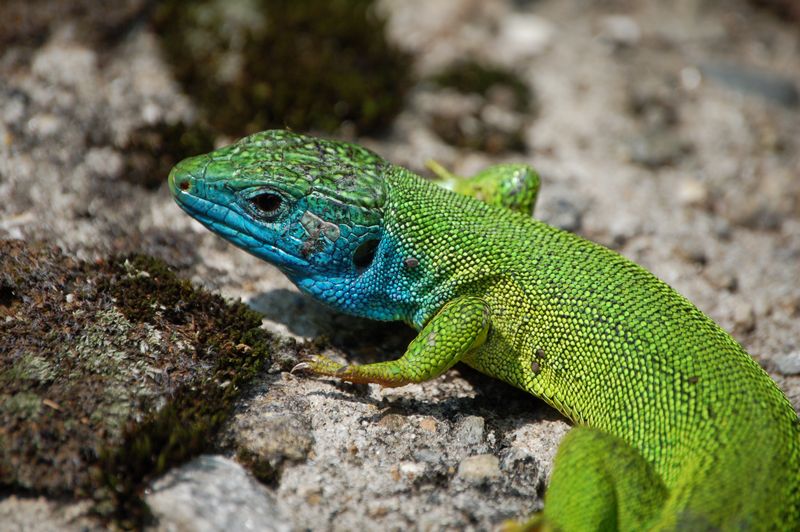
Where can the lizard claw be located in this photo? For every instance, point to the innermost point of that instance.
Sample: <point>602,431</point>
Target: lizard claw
<point>320,365</point>
<point>302,366</point>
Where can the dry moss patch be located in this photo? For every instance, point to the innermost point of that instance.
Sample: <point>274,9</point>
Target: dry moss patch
<point>307,64</point>
<point>111,372</point>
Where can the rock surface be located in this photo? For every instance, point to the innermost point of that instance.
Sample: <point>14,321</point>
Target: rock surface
<point>213,493</point>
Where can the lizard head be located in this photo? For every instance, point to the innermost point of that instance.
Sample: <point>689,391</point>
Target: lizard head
<point>312,207</point>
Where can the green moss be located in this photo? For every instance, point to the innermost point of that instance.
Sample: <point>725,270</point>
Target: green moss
<point>229,335</point>
<point>29,367</point>
<point>302,64</point>
<point>473,77</point>
<point>134,375</point>
<point>152,151</point>
<point>497,87</point>
<point>149,288</point>
<point>23,404</point>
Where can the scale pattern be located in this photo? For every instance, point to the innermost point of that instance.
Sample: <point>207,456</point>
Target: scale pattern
<point>612,347</point>
<point>605,342</point>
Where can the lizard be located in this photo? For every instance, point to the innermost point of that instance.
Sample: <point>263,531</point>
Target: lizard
<point>676,426</point>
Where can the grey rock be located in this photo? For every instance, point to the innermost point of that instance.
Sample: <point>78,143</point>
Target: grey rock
<point>213,493</point>
<point>656,148</point>
<point>470,431</point>
<point>789,363</point>
<point>479,467</point>
<point>565,214</point>
<point>746,79</point>
<point>273,437</point>
<point>744,317</point>
<point>23,514</point>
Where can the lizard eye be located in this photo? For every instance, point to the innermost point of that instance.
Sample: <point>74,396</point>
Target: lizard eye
<point>267,202</point>
<point>365,254</point>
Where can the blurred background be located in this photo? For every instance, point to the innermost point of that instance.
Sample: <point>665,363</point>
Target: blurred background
<point>668,131</point>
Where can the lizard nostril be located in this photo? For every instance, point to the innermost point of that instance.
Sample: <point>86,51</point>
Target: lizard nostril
<point>184,185</point>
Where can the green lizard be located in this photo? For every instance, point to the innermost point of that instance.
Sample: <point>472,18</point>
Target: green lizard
<point>677,427</point>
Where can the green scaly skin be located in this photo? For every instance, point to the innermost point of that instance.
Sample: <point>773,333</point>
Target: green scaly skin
<point>677,428</point>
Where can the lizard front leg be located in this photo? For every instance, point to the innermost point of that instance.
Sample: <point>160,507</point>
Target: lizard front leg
<point>458,328</point>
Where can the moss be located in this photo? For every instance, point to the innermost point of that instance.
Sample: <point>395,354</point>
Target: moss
<point>230,336</point>
<point>133,374</point>
<point>30,367</point>
<point>153,150</point>
<point>258,466</point>
<point>496,86</point>
<point>23,404</point>
<point>149,288</point>
<point>307,64</point>
<point>473,77</point>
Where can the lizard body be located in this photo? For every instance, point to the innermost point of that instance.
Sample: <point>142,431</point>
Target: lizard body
<point>677,426</point>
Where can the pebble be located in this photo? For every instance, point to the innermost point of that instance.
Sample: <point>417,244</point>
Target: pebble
<point>768,85</point>
<point>479,467</point>
<point>621,30</point>
<point>272,436</point>
<point>789,363</point>
<point>692,192</point>
<point>471,430</point>
<point>524,36</point>
<point>744,317</point>
<point>565,214</point>
<point>213,493</point>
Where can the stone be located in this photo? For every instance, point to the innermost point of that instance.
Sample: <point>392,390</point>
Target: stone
<point>213,493</point>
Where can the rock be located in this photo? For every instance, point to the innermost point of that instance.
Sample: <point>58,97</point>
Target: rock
<point>621,30</point>
<point>744,317</point>
<point>479,467</point>
<point>470,431</point>
<point>693,249</point>
<point>565,214</point>
<point>789,363</point>
<point>656,148</point>
<point>524,36</point>
<point>770,86</point>
<point>273,437</point>
<point>213,493</point>
<point>43,515</point>
<point>692,192</point>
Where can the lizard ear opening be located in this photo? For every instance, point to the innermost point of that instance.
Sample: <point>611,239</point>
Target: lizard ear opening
<point>365,254</point>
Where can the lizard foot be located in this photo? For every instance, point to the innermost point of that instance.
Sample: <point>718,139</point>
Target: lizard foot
<point>320,365</point>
